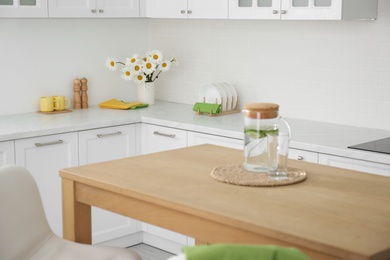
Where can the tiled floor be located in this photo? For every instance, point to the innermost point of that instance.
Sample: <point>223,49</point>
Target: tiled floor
<point>150,253</point>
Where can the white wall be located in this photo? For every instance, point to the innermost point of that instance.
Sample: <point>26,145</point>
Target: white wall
<point>40,57</point>
<point>333,71</point>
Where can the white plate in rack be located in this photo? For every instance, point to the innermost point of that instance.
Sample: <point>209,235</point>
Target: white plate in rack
<point>208,93</point>
<point>234,94</point>
<point>229,95</point>
<point>224,95</point>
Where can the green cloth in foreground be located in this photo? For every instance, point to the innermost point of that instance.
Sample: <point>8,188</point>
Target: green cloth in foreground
<point>242,252</point>
<point>206,108</point>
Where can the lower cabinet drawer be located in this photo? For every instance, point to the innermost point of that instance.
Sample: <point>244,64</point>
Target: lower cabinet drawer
<point>302,155</point>
<point>158,138</point>
<point>354,164</point>
<point>195,138</point>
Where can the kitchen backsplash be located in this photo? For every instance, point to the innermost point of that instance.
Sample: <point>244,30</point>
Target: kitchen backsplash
<point>42,57</point>
<point>332,71</point>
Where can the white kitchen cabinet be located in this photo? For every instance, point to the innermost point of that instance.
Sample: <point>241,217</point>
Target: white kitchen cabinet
<point>7,153</point>
<point>159,138</point>
<point>206,9</point>
<point>109,144</point>
<point>302,155</point>
<point>303,9</point>
<point>44,157</point>
<point>23,8</point>
<point>353,164</point>
<point>195,138</point>
<point>94,8</point>
<point>156,139</point>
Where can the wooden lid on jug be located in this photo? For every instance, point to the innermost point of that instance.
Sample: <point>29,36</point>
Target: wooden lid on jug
<point>267,110</point>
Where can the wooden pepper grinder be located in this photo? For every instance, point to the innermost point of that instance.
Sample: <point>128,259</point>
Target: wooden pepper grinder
<point>77,96</point>
<point>84,95</point>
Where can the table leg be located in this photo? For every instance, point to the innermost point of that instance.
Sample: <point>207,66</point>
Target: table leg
<point>76,216</point>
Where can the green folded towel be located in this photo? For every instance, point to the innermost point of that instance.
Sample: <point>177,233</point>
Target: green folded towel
<point>241,252</point>
<point>139,106</point>
<point>207,107</point>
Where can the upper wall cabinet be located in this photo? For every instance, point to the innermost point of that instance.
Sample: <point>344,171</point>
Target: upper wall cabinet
<point>94,8</point>
<point>304,9</point>
<point>205,9</point>
<point>23,8</point>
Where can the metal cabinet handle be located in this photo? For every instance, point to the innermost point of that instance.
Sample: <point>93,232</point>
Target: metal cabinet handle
<point>283,12</point>
<point>189,12</point>
<point>183,11</point>
<point>275,11</point>
<point>93,11</point>
<point>49,143</point>
<point>108,135</point>
<point>166,135</point>
<point>101,10</point>
<point>300,158</point>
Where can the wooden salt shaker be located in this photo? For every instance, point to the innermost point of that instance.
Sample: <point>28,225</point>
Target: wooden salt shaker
<point>77,95</point>
<point>84,95</point>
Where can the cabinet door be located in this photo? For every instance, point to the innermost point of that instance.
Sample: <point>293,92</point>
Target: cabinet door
<point>166,8</point>
<point>94,8</point>
<point>353,164</point>
<point>66,8</point>
<point>254,9</point>
<point>23,8</point>
<point>302,155</point>
<point>199,138</point>
<point>44,157</point>
<point>118,8</point>
<point>7,153</point>
<point>101,145</point>
<point>206,9</point>
<point>157,139</point>
<point>311,9</point>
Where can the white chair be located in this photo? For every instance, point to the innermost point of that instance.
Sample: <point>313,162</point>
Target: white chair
<point>25,233</point>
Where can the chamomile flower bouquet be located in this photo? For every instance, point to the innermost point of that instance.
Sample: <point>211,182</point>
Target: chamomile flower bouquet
<point>142,69</point>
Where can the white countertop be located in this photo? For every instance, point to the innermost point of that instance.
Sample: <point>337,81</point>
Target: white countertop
<point>307,135</point>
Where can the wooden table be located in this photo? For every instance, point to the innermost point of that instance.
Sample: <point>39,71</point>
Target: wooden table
<point>333,214</point>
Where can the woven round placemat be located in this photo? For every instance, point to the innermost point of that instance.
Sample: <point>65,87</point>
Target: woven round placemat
<point>238,175</point>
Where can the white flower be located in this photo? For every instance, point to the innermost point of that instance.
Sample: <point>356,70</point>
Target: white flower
<point>111,63</point>
<point>165,65</point>
<point>133,60</point>
<point>155,55</point>
<point>136,67</point>
<point>140,78</point>
<point>127,74</point>
<point>148,67</point>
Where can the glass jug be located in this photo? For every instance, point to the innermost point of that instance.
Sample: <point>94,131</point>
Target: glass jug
<point>266,137</point>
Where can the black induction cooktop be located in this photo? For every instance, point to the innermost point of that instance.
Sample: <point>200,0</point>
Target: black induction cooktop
<point>379,146</point>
